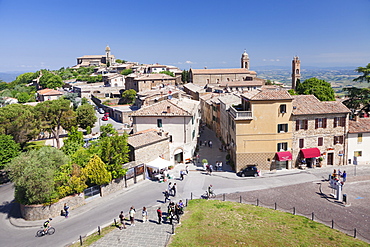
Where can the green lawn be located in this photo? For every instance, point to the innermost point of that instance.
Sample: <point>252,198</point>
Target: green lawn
<point>217,223</point>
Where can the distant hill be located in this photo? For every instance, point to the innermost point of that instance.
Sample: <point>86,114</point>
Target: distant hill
<point>338,77</point>
<point>10,76</point>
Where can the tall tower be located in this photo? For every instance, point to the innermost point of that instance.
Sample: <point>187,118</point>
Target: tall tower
<point>107,55</point>
<point>245,60</point>
<point>296,71</point>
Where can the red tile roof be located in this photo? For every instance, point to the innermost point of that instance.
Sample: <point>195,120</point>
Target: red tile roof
<point>362,125</point>
<point>309,104</point>
<point>48,91</point>
<point>166,108</point>
<point>223,71</point>
<point>279,94</point>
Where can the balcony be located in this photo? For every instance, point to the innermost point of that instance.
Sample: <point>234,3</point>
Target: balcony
<point>240,115</point>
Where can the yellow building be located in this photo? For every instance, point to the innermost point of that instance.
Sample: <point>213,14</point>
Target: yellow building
<point>260,130</point>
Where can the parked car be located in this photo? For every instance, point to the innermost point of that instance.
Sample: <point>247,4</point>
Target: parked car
<point>100,110</point>
<point>104,118</point>
<point>249,171</point>
<point>106,114</point>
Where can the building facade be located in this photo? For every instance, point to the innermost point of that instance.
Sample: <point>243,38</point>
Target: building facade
<point>179,118</point>
<point>359,141</point>
<point>320,129</point>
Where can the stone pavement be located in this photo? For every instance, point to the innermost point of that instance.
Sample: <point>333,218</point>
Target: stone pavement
<point>149,234</point>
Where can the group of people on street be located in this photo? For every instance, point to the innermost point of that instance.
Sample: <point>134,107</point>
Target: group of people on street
<point>131,213</point>
<point>337,175</point>
<point>171,191</point>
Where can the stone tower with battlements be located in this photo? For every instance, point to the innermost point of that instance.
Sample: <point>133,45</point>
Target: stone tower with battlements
<point>296,71</point>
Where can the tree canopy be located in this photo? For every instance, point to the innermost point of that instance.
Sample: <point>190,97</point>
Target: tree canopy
<point>320,88</point>
<point>9,149</point>
<point>50,80</point>
<point>96,171</point>
<point>20,122</point>
<point>167,73</point>
<point>129,96</point>
<point>56,114</point>
<point>126,71</point>
<point>86,116</point>
<point>33,175</point>
<point>365,74</point>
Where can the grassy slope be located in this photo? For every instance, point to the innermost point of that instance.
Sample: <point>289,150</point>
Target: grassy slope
<point>216,223</point>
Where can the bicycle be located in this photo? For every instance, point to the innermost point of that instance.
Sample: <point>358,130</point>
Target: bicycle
<point>208,195</point>
<point>49,231</point>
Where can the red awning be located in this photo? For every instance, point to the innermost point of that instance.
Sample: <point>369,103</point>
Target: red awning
<point>310,152</point>
<point>284,156</point>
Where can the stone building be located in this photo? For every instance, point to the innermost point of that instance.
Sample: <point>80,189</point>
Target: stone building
<point>48,94</point>
<point>96,60</point>
<point>147,82</point>
<point>217,76</point>
<point>178,117</point>
<point>296,71</point>
<point>147,145</point>
<point>319,130</point>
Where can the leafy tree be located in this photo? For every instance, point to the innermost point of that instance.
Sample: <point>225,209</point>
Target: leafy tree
<point>20,122</point>
<point>107,130</point>
<point>129,96</point>
<point>365,74</point>
<point>50,80</point>
<point>55,115</point>
<point>320,88</point>
<point>25,78</point>
<point>120,61</point>
<point>86,116</point>
<point>114,153</point>
<point>292,92</point>
<point>167,73</point>
<point>185,76</point>
<point>73,142</point>
<point>84,101</point>
<point>33,175</point>
<point>3,85</point>
<point>88,130</point>
<point>73,98</point>
<point>9,149</point>
<point>268,82</point>
<point>23,97</point>
<point>96,171</point>
<point>358,98</point>
<point>82,156</point>
<point>126,71</point>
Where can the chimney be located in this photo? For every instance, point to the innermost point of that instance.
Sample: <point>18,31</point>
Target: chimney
<point>356,117</point>
<point>168,109</point>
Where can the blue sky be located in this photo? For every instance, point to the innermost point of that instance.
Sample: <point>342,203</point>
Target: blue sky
<point>52,34</point>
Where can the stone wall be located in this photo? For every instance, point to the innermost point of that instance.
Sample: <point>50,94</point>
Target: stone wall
<point>262,160</point>
<point>40,212</point>
<point>151,152</point>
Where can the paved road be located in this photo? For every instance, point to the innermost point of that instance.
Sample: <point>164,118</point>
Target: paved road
<point>102,211</point>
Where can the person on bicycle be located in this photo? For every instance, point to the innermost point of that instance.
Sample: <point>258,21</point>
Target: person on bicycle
<point>47,225</point>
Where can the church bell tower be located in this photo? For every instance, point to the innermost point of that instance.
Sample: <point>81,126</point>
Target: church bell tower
<point>245,61</point>
<point>107,55</point>
<point>296,71</point>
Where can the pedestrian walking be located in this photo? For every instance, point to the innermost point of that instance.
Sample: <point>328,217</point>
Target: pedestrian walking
<point>205,143</point>
<point>198,158</point>
<point>159,214</point>
<point>216,166</point>
<point>122,220</point>
<point>132,216</point>
<point>187,170</point>
<point>344,175</point>
<point>220,165</point>
<point>210,143</point>
<point>210,169</point>
<point>170,188</point>
<point>174,189</point>
<point>144,214</point>
<point>182,175</point>
<point>66,208</point>
<point>166,196</point>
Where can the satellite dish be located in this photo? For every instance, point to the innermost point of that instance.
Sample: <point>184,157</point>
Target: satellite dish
<point>169,96</point>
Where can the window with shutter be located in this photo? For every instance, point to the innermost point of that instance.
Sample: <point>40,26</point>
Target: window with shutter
<point>301,143</point>
<point>320,141</point>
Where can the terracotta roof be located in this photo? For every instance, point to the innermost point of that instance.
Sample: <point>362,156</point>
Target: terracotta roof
<point>362,125</point>
<point>240,83</point>
<point>154,77</point>
<point>48,91</point>
<point>173,107</point>
<point>145,137</point>
<point>223,71</point>
<point>309,104</point>
<point>270,95</point>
